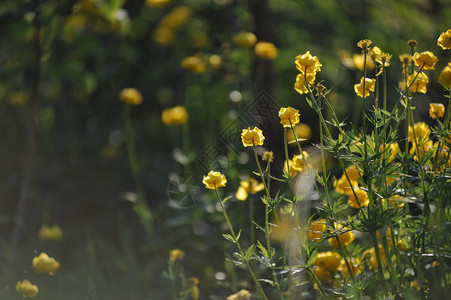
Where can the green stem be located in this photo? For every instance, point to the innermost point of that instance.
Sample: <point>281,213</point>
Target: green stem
<point>378,256</point>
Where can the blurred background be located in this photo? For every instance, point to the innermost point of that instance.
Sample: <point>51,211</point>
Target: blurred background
<point>64,158</point>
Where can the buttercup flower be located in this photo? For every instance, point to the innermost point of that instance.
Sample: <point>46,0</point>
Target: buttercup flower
<point>345,238</point>
<point>354,263</point>
<point>384,59</point>
<point>353,173</point>
<point>192,284</point>
<point>45,264</point>
<point>371,253</point>
<point>251,186</point>
<point>288,116</point>
<point>174,116</point>
<point>375,52</point>
<point>268,155</point>
<point>176,254</point>
<point>283,229</point>
<point>194,64</point>
<point>445,76</point>
<point>444,40</point>
<point>364,44</point>
<point>306,63</point>
<point>214,180</point>
<point>300,162</point>
<point>301,86</point>
<point>245,39</point>
<point>287,164</point>
<point>27,289</point>
<point>405,58</point>
<point>266,50</point>
<point>425,59</point>
<point>317,229</point>
<point>422,132</point>
<point>241,295</point>
<point>359,62</point>
<point>420,83</point>
<point>303,133</point>
<point>252,137</point>
<point>362,198</point>
<point>131,96</point>
<point>343,186</point>
<point>52,233</point>
<point>177,17</point>
<point>215,61</point>
<point>326,263</point>
<point>436,110</point>
<point>370,85</point>
<point>164,36</point>
<point>392,149</point>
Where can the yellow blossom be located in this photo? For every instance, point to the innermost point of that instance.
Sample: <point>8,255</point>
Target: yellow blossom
<point>193,64</point>
<point>420,149</point>
<point>176,254</point>
<point>192,284</point>
<point>131,96</point>
<point>266,50</point>
<point>421,131</point>
<point>215,61</point>
<point>418,82</point>
<point>445,76</point>
<point>387,234</point>
<point>45,264</point>
<point>362,198</point>
<point>268,155</point>
<point>392,150</point>
<point>288,116</point>
<point>317,229</point>
<point>384,59</point>
<point>343,186</point>
<point>289,164</point>
<point>241,295</point>
<point>177,17</point>
<point>158,3</point>
<point>354,263</point>
<point>164,36</point>
<point>329,260</point>
<point>214,180</point>
<point>353,173</point>
<point>371,253</point>
<point>370,85</point>
<point>364,44</point>
<point>306,63</point>
<point>322,274</point>
<point>245,39</point>
<point>282,229</point>
<point>444,40</point>
<point>345,238</point>
<point>27,289</point>
<point>252,137</point>
<point>50,233</point>
<point>303,133</point>
<point>174,116</point>
<point>426,60</point>
<point>375,52</point>
<point>436,110</point>
<point>405,59</point>
<point>251,186</point>
<point>301,86</point>
<point>300,162</point>
<point>359,61</point>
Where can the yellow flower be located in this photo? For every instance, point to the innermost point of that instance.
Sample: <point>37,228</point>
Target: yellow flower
<point>131,96</point>
<point>420,83</point>
<point>317,229</point>
<point>392,149</point>
<point>322,274</point>
<point>362,198</point>
<point>268,155</point>
<point>248,186</point>
<point>372,257</point>
<point>252,137</point>
<point>444,40</point>
<point>52,233</point>
<point>164,36</point>
<point>192,284</point>
<point>306,63</point>
<point>384,59</point>
<point>45,264</point>
<point>290,164</point>
<point>329,260</point>
<point>27,289</point>
<point>245,39</point>
<point>266,50</point>
<point>299,162</point>
<point>158,3</point>
<point>174,116</point>
<point>288,116</point>
<point>214,180</point>
<point>387,234</point>
<point>353,173</point>
<point>354,263</point>
<point>370,85</point>
<point>364,44</point>
<point>343,186</point>
<point>445,76</point>
<point>420,149</point>
<point>405,58</point>
<point>421,131</point>
<point>436,110</point>
<point>176,254</point>
<point>194,64</point>
<point>241,295</point>
<point>346,238</point>
<point>375,52</point>
<point>358,60</point>
<point>303,133</point>
<point>177,17</point>
<point>215,61</point>
<point>425,59</point>
<point>301,86</point>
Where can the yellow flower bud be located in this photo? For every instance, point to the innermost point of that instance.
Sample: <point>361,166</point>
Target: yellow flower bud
<point>266,50</point>
<point>131,96</point>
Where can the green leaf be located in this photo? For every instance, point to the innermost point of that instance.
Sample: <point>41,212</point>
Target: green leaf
<point>225,199</point>
<point>229,237</point>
